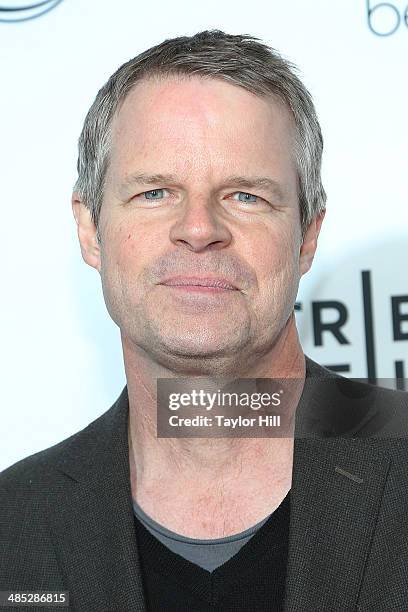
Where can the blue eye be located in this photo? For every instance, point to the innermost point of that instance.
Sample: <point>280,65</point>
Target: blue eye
<point>154,194</point>
<point>246,197</point>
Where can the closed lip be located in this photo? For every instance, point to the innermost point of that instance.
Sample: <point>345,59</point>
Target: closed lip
<point>199,281</point>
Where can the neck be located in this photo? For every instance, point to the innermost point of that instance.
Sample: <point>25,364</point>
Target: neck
<point>181,469</point>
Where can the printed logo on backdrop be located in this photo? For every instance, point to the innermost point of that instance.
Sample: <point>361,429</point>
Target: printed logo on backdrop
<point>386,18</point>
<point>339,313</point>
<point>17,11</point>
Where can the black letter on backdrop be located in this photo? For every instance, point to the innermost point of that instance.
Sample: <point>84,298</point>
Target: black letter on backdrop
<point>398,317</point>
<point>319,327</point>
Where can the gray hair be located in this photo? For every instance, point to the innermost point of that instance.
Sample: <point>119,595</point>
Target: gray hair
<point>238,59</point>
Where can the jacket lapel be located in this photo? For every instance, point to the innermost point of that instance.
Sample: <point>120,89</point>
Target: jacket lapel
<point>338,481</point>
<point>335,498</point>
<point>91,517</point>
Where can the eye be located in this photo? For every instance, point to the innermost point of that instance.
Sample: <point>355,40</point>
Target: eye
<point>153,194</point>
<point>243,196</point>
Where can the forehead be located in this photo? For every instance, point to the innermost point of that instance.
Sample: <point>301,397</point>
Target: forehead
<point>196,118</point>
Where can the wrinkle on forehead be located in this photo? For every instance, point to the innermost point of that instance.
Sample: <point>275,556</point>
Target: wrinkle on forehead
<point>199,103</point>
<point>200,125</point>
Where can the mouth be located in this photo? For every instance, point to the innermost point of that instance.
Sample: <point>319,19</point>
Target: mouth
<point>200,284</point>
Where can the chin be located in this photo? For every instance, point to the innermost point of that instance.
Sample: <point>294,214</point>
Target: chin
<point>181,348</point>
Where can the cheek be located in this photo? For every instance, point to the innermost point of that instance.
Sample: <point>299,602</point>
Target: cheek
<point>119,263</point>
<point>123,248</point>
<point>274,257</point>
<point>131,250</point>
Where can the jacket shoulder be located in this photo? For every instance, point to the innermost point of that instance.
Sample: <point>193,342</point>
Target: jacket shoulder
<point>353,407</point>
<point>42,463</point>
<point>356,387</point>
<point>27,491</point>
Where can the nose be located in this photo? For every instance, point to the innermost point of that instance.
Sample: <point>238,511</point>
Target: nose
<point>200,227</point>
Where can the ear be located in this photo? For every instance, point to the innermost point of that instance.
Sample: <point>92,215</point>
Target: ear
<point>86,233</point>
<point>309,244</point>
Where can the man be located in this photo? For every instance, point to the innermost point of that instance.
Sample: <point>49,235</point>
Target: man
<point>199,201</point>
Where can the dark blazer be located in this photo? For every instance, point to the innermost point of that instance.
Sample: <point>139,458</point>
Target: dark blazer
<point>66,516</point>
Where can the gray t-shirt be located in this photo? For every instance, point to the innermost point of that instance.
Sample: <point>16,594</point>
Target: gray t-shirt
<point>208,553</point>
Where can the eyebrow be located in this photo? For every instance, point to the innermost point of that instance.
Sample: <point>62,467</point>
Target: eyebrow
<point>255,182</point>
<point>147,179</point>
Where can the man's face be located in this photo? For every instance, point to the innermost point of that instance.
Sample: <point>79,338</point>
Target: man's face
<point>201,185</point>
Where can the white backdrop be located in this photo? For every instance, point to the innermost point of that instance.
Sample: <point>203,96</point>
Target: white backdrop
<point>61,358</point>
